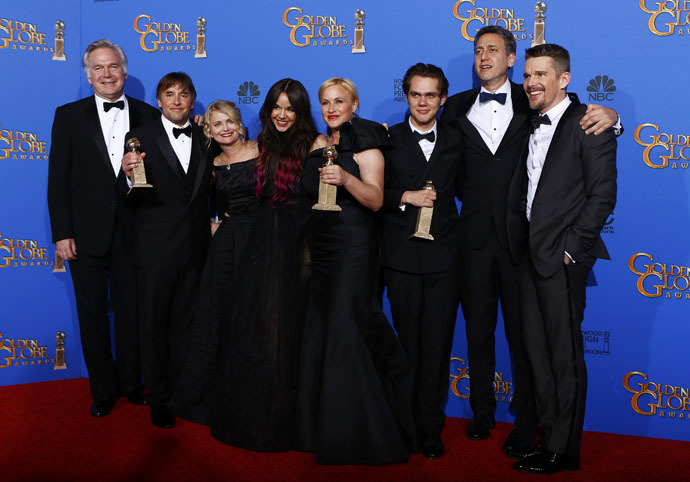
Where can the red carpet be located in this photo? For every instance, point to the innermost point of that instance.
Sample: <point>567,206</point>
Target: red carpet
<point>48,434</point>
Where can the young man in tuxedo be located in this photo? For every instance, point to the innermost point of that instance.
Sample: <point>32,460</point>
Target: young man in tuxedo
<point>91,225</point>
<point>172,234</point>
<point>421,274</point>
<point>494,121</point>
<point>562,195</point>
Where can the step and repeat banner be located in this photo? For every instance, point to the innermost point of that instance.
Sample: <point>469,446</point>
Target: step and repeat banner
<point>630,55</point>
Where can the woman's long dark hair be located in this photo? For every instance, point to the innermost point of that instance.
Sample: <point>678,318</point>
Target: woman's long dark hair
<point>288,147</point>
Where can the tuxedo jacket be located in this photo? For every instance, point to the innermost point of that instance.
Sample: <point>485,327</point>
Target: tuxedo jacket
<point>85,198</point>
<point>485,177</point>
<point>171,219</point>
<point>408,170</point>
<point>575,195</point>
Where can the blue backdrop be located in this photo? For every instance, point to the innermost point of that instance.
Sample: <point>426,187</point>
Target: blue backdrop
<point>628,55</point>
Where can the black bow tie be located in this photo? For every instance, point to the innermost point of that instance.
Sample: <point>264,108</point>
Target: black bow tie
<point>120,104</point>
<point>487,96</point>
<point>185,130</point>
<point>538,120</point>
<point>429,136</point>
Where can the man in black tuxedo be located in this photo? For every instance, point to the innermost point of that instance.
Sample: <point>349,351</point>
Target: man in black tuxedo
<point>91,225</point>
<point>420,274</point>
<point>494,121</point>
<point>562,198</point>
<point>172,233</point>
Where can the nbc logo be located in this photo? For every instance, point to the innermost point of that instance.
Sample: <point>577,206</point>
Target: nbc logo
<point>248,93</point>
<point>601,88</point>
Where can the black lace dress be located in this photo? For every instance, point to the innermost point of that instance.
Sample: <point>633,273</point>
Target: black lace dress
<point>260,350</point>
<point>355,392</point>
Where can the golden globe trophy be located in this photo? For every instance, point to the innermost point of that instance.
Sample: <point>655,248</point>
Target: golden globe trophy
<point>424,216</point>
<point>200,39</point>
<point>59,265</point>
<point>358,47</point>
<point>138,175</point>
<point>540,8</point>
<point>60,351</point>
<point>59,53</point>
<point>327,192</point>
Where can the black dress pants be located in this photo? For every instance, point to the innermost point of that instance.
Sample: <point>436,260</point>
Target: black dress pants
<point>490,276</point>
<point>99,283</point>
<point>553,310</point>
<point>424,309</point>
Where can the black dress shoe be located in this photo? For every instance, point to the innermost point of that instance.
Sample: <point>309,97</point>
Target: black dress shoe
<point>101,408</point>
<point>520,438</point>
<point>160,416</point>
<point>480,427</point>
<point>432,447</point>
<point>525,452</point>
<point>136,396</point>
<point>546,463</point>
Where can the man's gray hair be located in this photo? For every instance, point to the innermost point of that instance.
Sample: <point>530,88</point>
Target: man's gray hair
<point>101,44</point>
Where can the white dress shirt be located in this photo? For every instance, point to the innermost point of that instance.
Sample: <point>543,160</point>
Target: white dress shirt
<point>427,147</point>
<point>539,142</point>
<point>491,118</point>
<point>115,125</point>
<point>182,145</point>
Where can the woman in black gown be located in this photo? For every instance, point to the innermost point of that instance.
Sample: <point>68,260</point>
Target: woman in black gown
<point>252,387</point>
<point>236,205</point>
<point>354,399</point>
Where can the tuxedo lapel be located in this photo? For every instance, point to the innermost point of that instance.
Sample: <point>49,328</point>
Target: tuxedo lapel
<point>416,151</point>
<point>197,162</point>
<point>94,125</point>
<point>549,160</point>
<point>134,116</point>
<point>467,127</point>
<point>168,152</point>
<point>436,153</point>
<point>521,114</point>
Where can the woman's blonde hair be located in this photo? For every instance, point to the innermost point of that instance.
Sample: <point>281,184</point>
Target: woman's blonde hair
<point>346,84</point>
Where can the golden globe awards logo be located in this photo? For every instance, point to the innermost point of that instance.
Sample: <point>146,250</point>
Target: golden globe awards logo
<point>22,253</point>
<point>314,30</point>
<point>161,36</point>
<point>22,145</point>
<point>23,352</point>
<point>663,149</point>
<point>460,382</point>
<point>22,35</point>
<point>654,398</point>
<point>473,18</point>
<point>667,17</point>
<point>660,279</point>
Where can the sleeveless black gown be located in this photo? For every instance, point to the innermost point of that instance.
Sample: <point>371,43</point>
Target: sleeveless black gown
<point>355,390</point>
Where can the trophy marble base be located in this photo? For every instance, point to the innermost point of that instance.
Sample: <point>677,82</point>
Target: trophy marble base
<point>422,236</point>
<point>59,266</point>
<point>60,360</point>
<point>326,207</point>
<point>138,188</point>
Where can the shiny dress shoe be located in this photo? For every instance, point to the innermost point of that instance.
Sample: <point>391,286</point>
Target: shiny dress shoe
<point>546,462</point>
<point>160,417</point>
<point>518,445</point>
<point>432,447</point>
<point>480,427</point>
<point>101,408</point>
<point>136,396</point>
